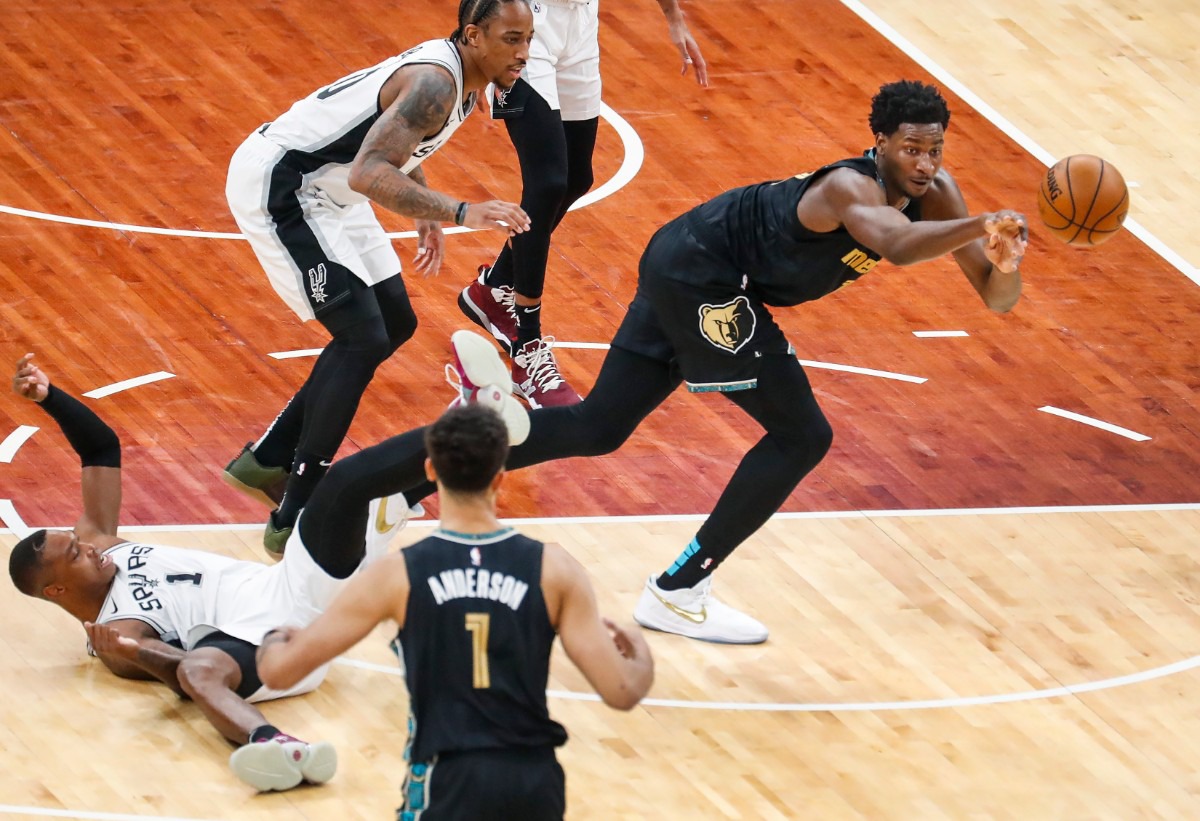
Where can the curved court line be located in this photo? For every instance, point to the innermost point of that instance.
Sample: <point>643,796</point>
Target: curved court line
<point>126,384</point>
<point>1095,423</point>
<point>1001,122</point>
<point>865,706</point>
<point>13,523</point>
<point>12,443</point>
<point>630,165</point>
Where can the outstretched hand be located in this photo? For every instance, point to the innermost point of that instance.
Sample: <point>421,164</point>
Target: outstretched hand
<point>497,216</point>
<point>30,381</point>
<point>689,51</point>
<point>431,248</point>
<point>1008,237</point>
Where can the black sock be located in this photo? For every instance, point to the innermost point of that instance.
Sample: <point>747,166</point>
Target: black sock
<point>264,733</point>
<point>306,473</point>
<point>529,324</point>
<point>277,447</point>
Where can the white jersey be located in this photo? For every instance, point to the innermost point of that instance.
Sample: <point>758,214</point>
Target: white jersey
<point>182,594</point>
<point>322,133</point>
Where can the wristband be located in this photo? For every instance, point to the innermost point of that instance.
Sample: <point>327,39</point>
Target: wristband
<point>460,215</point>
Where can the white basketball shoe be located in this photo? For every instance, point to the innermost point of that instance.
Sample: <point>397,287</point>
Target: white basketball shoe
<point>282,762</point>
<point>479,375</point>
<point>386,517</point>
<point>693,612</point>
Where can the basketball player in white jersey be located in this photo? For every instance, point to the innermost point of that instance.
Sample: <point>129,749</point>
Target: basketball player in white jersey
<point>552,114</point>
<point>301,189</point>
<point>189,618</point>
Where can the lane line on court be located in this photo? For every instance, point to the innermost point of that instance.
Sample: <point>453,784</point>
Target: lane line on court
<point>630,165</point>
<point>863,706</point>
<point>829,366</point>
<point>1095,423</point>
<point>124,385</point>
<point>699,517</point>
<point>938,334</point>
<point>995,118</point>
<point>12,443</point>
<point>42,812</point>
<point>296,354</point>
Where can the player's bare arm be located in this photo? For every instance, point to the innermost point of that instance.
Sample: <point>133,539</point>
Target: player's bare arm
<point>684,42</point>
<point>845,197</point>
<point>101,486</point>
<point>991,265</point>
<point>132,649</point>
<point>425,96</point>
<point>375,595</point>
<point>615,660</point>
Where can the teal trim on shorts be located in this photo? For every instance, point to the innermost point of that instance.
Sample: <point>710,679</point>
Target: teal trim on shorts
<point>721,387</point>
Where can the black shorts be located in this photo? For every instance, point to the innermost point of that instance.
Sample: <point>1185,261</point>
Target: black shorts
<point>708,326</point>
<point>242,652</point>
<point>486,785</point>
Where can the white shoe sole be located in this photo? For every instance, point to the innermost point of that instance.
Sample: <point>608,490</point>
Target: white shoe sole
<point>321,764</point>
<point>266,766</point>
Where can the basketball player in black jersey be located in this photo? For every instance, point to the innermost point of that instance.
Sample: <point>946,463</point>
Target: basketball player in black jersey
<point>701,317</point>
<point>478,606</point>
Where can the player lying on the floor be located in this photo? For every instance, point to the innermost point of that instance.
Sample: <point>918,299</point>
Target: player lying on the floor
<point>189,618</point>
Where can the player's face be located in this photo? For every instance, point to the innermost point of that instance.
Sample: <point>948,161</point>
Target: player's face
<point>72,564</point>
<point>504,44</point>
<point>910,158</point>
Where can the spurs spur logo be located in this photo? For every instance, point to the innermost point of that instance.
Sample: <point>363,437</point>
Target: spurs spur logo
<point>316,282</point>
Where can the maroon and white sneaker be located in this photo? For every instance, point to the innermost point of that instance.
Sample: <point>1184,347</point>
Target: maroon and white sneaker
<point>480,375</point>
<point>282,762</point>
<point>493,309</point>
<point>536,379</point>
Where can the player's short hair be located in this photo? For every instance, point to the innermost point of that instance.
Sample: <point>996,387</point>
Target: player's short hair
<point>25,561</point>
<point>907,101</point>
<point>468,446</point>
<point>476,13</point>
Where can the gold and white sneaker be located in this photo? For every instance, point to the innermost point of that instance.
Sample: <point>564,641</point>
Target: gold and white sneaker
<point>693,612</point>
<point>386,517</point>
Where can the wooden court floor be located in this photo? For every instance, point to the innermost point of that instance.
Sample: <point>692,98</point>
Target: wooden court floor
<point>979,609</point>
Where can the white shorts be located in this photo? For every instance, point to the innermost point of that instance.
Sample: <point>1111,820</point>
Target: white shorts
<point>564,58</point>
<point>333,225</point>
<point>297,590</point>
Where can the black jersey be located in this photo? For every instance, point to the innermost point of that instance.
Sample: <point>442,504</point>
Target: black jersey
<point>755,230</point>
<point>476,644</point>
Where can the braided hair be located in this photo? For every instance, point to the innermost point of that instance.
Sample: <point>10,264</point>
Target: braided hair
<point>477,12</point>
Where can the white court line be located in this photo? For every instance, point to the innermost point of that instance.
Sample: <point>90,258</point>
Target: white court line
<point>13,523</point>
<point>828,366</point>
<point>10,809</point>
<point>995,118</point>
<point>861,706</point>
<point>698,517</point>
<point>12,443</point>
<point>125,385</point>
<point>297,353</point>
<point>1095,423</point>
<point>938,334</point>
<point>589,346</point>
<point>630,165</point>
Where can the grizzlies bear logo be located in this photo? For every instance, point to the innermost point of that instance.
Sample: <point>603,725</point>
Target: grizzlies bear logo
<point>728,326</point>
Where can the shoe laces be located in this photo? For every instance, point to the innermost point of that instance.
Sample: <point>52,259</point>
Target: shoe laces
<point>506,298</point>
<point>455,380</point>
<point>539,364</point>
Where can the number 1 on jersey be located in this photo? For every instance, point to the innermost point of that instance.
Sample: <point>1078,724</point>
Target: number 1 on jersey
<point>478,625</point>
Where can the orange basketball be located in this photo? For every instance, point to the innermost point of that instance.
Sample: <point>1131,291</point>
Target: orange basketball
<point>1083,200</point>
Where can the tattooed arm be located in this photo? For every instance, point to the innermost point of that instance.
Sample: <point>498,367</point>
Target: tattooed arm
<point>424,100</point>
<point>424,96</point>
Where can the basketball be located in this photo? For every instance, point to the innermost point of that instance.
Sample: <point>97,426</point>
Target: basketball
<point>1083,200</point>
